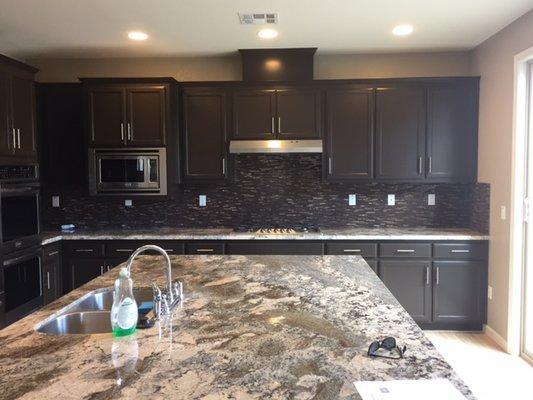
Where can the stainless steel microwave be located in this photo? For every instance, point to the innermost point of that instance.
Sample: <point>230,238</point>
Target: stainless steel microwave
<point>128,171</point>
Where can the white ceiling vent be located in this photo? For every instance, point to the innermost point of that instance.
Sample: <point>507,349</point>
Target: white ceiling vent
<point>258,18</point>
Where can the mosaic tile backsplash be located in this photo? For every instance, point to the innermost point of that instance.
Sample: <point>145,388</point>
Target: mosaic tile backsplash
<point>278,190</point>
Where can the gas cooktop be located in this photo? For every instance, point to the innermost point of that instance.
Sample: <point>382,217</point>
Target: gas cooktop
<point>278,231</point>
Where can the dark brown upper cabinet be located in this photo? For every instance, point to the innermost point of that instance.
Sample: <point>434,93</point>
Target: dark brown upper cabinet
<point>254,114</point>
<point>282,113</point>
<point>18,141</point>
<point>400,133</point>
<point>204,134</point>
<point>349,134</point>
<point>127,114</point>
<point>452,119</point>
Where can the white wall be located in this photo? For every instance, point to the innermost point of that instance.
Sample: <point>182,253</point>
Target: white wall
<point>494,61</point>
<point>229,68</point>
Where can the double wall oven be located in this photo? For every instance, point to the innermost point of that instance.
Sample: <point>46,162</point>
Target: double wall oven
<point>21,289</point>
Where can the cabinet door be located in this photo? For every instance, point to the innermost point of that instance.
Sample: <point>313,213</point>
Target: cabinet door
<point>107,116</point>
<point>51,281</point>
<point>410,282</point>
<point>23,103</point>
<point>254,114</point>
<point>84,270</point>
<point>298,114</point>
<point>400,133</point>
<point>6,132</point>
<point>457,291</point>
<point>452,132</point>
<point>349,134</point>
<point>205,136</point>
<point>146,125</point>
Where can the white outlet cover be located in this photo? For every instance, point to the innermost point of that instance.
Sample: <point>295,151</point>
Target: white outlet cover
<point>431,199</point>
<point>202,200</point>
<point>128,203</point>
<point>391,199</point>
<point>489,292</point>
<point>352,200</point>
<point>55,201</point>
<point>503,213</point>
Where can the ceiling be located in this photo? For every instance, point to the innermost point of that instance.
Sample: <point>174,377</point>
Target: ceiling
<point>98,28</point>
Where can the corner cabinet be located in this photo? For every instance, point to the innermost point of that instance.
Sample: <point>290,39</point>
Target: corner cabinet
<point>129,112</point>
<point>18,141</point>
<point>277,113</point>
<point>204,128</point>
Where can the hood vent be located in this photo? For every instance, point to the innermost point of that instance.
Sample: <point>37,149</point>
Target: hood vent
<point>275,146</point>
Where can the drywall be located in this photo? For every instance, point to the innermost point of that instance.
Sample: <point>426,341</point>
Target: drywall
<point>494,61</point>
<point>229,67</point>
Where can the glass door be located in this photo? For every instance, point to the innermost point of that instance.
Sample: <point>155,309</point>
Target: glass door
<point>527,293</point>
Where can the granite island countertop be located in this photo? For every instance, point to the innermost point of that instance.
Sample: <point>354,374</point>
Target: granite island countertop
<point>230,234</point>
<point>268,327</point>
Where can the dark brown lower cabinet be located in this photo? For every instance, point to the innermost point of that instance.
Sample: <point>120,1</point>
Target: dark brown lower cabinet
<point>83,270</point>
<point>205,248</point>
<point>457,288</point>
<point>410,282</point>
<point>372,264</point>
<point>51,279</point>
<point>278,248</point>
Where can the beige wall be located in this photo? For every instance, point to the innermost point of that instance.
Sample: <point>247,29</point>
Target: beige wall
<point>229,68</point>
<point>494,61</point>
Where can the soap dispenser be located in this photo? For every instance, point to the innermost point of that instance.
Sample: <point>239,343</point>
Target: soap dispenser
<point>124,312</point>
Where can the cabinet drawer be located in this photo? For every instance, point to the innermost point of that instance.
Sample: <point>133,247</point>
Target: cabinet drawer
<point>204,248</point>
<point>123,249</point>
<point>51,253</point>
<point>84,248</point>
<point>293,248</point>
<point>405,250</point>
<point>464,251</point>
<point>369,250</point>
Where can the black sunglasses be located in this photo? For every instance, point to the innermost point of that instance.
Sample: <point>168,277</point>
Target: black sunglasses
<point>389,343</point>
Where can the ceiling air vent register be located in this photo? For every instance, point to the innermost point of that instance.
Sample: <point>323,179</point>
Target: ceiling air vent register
<point>258,18</point>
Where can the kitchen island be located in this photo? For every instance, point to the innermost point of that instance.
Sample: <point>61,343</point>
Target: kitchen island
<point>272,327</point>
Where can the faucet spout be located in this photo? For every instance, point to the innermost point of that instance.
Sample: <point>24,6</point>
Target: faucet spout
<point>161,251</point>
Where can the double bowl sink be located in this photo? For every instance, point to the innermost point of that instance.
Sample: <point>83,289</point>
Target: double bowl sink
<point>90,314</point>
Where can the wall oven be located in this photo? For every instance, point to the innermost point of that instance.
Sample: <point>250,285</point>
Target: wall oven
<point>22,283</point>
<point>128,171</point>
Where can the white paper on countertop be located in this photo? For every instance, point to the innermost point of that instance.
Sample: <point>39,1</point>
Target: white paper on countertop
<point>421,389</point>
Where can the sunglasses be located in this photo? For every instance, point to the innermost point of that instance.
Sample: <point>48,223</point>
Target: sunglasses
<point>389,343</point>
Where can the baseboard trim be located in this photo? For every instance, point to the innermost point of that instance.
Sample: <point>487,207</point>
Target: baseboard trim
<point>500,341</point>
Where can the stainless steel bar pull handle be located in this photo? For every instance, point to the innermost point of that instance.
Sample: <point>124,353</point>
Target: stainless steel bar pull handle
<point>279,125</point>
<point>352,250</point>
<point>108,268</point>
<point>430,167</point>
<point>14,139</point>
<point>84,250</point>
<point>329,165</point>
<point>427,276</point>
<point>460,251</point>
<point>130,135</point>
<point>53,253</point>
<point>272,130</point>
<point>437,277</point>
<point>124,250</point>
<point>223,166</point>
<point>205,250</point>
<point>405,251</point>
<point>48,279</point>
<point>122,131</point>
<point>101,270</point>
<point>419,165</point>
<point>18,137</point>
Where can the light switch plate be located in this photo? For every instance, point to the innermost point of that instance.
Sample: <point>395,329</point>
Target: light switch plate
<point>352,200</point>
<point>202,200</point>
<point>431,199</point>
<point>128,203</point>
<point>503,213</point>
<point>391,200</point>
<point>55,201</point>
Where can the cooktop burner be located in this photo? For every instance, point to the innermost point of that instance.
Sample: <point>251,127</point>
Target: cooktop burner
<point>277,231</point>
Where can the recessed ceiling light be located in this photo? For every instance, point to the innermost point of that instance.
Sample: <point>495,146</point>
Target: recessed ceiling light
<point>267,33</point>
<point>402,30</point>
<point>137,35</point>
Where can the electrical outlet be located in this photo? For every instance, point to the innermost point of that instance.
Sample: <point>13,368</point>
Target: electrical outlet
<point>352,200</point>
<point>391,200</point>
<point>128,203</point>
<point>489,292</point>
<point>431,199</point>
<point>202,200</point>
<point>55,201</point>
<point>503,213</point>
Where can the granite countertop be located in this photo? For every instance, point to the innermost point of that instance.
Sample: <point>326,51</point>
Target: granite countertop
<point>268,327</point>
<point>230,234</point>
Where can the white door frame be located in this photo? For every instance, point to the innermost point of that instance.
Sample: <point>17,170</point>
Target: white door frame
<point>518,185</point>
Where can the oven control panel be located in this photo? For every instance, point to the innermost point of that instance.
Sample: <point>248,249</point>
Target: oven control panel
<point>18,173</point>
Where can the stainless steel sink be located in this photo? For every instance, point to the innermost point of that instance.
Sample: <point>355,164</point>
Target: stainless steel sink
<point>89,314</point>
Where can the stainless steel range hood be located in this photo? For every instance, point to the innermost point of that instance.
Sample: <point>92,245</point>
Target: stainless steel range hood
<point>275,146</point>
